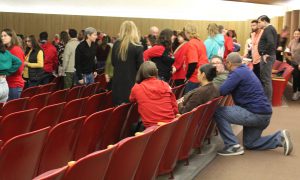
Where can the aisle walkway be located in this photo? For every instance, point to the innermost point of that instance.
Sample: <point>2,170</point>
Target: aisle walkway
<point>263,165</point>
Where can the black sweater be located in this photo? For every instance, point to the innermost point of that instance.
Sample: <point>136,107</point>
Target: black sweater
<point>85,59</point>
<point>268,41</point>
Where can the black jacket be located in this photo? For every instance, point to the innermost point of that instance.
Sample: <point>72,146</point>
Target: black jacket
<point>85,59</point>
<point>268,41</point>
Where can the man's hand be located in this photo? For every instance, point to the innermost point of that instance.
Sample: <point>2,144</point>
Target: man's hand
<point>173,69</point>
<point>265,57</point>
<point>299,67</point>
<point>107,79</point>
<point>81,81</point>
<point>95,74</point>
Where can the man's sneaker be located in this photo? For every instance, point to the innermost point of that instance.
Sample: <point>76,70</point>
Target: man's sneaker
<point>232,150</point>
<point>286,142</point>
<point>295,96</point>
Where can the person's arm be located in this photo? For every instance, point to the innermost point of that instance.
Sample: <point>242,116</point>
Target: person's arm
<point>270,41</point>
<point>229,44</point>
<point>16,63</point>
<point>139,57</point>
<point>155,51</point>
<point>132,97</point>
<point>192,58</point>
<point>77,63</point>
<point>54,59</point>
<point>191,70</point>
<point>230,84</point>
<point>66,57</point>
<point>40,61</point>
<point>108,70</point>
<point>193,101</point>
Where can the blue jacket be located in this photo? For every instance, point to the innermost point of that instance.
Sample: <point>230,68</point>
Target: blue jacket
<point>215,46</point>
<point>246,91</point>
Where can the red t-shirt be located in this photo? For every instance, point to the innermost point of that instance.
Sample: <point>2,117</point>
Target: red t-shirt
<point>156,102</point>
<point>15,80</point>
<point>180,62</point>
<point>196,53</point>
<point>51,57</point>
<point>228,46</point>
<point>155,51</point>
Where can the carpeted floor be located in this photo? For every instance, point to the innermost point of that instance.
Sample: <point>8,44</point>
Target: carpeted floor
<point>263,165</point>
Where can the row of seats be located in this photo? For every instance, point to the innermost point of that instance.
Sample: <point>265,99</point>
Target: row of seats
<point>45,149</point>
<point>146,155</point>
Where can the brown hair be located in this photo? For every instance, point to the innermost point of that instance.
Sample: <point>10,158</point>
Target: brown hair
<point>147,69</point>
<point>14,38</point>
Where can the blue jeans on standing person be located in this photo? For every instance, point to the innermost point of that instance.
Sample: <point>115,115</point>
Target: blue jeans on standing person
<point>88,78</point>
<point>190,86</point>
<point>14,93</point>
<point>253,126</point>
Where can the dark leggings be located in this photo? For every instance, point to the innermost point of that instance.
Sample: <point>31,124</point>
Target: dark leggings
<point>296,78</point>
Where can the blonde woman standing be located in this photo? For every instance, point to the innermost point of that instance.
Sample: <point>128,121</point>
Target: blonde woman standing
<point>127,56</point>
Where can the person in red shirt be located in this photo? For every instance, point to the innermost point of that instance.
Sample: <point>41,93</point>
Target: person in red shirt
<point>161,55</point>
<point>228,42</point>
<point>156,102</point>
<point>51,58</point>
<point>195,57</point>
<point>15,80</point>
<point>179,67</point>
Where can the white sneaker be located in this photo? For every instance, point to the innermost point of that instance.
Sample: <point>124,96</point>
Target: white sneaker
<point>295,96</point>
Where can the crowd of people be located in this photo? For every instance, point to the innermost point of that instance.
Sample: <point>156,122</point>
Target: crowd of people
<point>139,69</point>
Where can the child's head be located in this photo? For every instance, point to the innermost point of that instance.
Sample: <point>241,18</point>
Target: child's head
<point>207,72</point>
<point>147,69</point>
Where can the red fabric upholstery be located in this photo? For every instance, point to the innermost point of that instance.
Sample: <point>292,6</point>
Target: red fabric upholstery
<point>38,101</point>
<point>29,92</point>
<point>14,106</point>
<point>60,145</point>
<point>95,103</point>
<point>16,124</point>
<point>73,109</point>
<point>74,93</point>
<point>48,116</point>
<point>58,96</point>
<point>19,156</point>
<point>55,174</point>
<point>132,118</point>
<point>91,134</point>
<point>47,88</point>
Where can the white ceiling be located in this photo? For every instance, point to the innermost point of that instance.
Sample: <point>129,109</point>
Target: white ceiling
<point>165,9</point>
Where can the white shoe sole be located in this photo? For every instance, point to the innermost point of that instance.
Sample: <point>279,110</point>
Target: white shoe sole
<point>288,143</point>
<point>232,154</point>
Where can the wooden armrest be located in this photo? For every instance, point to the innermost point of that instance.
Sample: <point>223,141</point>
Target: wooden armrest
<point>278,79</point>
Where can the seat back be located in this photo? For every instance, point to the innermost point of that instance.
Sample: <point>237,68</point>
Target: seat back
<point>14,106</point>
<point>132,118</point>
<point>73,109</point>
<point>58,97</point>
<point>74,93</point>
<point>101,79</point>
<point>191,133</point>
<point>16,124</point>
<point>154,151</point>
<point>178,91</point>
<point>109,102</point>
<point>60,145</point>
<point>114,126</point>
<point>95,103</point>
<point>171,153</point>
<point>48,116</point>
<point>19,156</point>
<point>38,101</point>
<point>287,72</point>
<point>89,90</point>
<point>29,92</point>
<point>127,156</point>
<point>91,133</point>
<point>54,174</point>
<point>47,88</point>
<point>203,125</point>
<point>93,166</point>
<point>276,65</point>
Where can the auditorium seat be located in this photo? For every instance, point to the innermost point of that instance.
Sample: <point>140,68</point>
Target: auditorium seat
<point>47,88</point>
<point>20,155</point>
<point>60,145</point>
<point>59,82</point>
<point>154,151</point>
<point>114,126</point>
<point>58,96</point>
<point>132,118</point>
<point>48,116</point>
<point>29,92</point>
<point>54,174</point>
<point>89,90</point>
<point>91,133</point>
<point>95,103</point>
<point>190,136</point>
<point>169,159</point>
<point>101,79</point>
<point>14,106</point>
<point>73,109</point>
<point>127,157</point>
<point>38,101</point>
<point>109,102</point>
<point>16,124</point>
<point>178,91</point>
<point>74,93</point>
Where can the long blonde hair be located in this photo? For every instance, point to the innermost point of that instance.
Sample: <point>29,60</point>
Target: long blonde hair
<point>128,34</point>
<point>192,31</point>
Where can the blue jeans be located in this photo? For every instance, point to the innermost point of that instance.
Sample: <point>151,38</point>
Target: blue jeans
<point>14,93</point>
<point>88,78</point>
<point>253,126</point>
<point>190,86</point>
